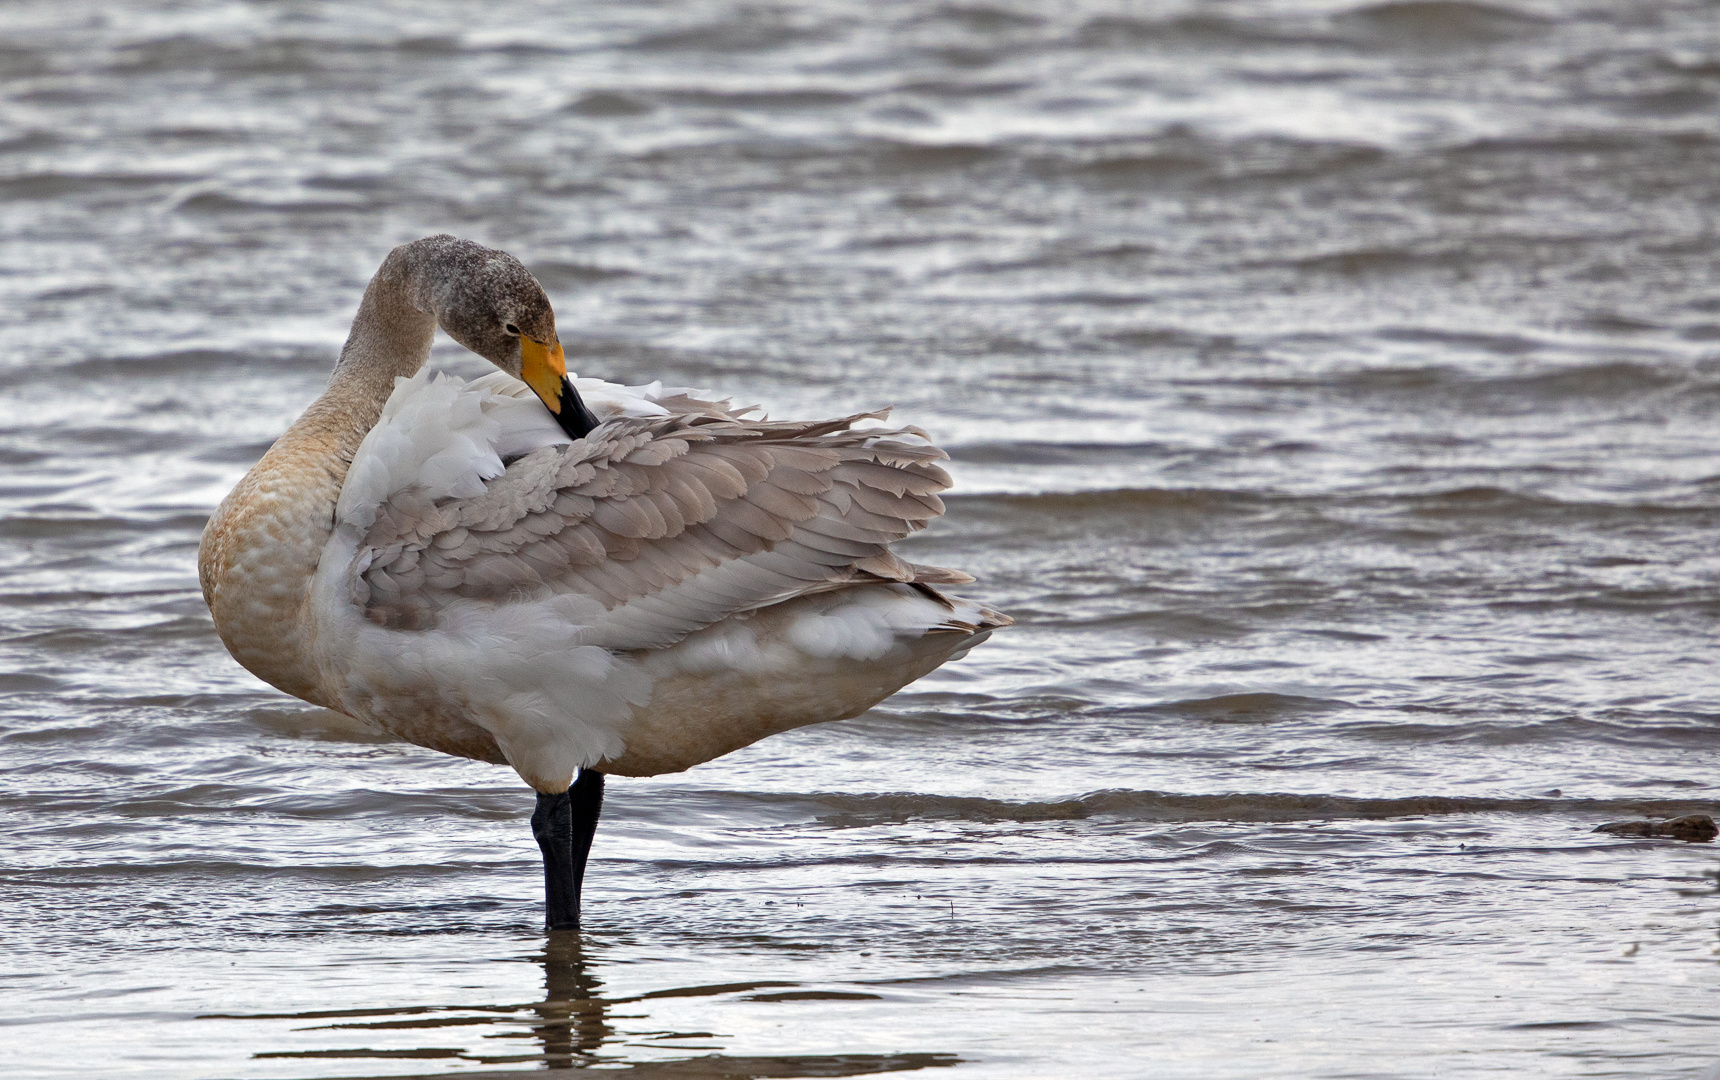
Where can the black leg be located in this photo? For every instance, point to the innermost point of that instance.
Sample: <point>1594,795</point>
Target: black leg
<point>564,824</point>
<point>586,799</point>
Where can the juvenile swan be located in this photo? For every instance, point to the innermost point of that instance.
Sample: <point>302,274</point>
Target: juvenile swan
<point>633,582</point>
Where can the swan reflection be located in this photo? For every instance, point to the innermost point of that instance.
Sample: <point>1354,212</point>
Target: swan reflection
<point>572,1029</point>
<point>573,1022</point>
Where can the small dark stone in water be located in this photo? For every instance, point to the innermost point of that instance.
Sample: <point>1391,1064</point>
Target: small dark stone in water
<point>1699,827</point>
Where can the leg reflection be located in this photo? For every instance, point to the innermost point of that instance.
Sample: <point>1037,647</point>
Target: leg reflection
<point>574,1025</point>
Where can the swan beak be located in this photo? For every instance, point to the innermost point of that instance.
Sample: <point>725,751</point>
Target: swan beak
<point>544,369</point>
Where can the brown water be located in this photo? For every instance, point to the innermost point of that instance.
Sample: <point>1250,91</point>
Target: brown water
<point>1332,391</point>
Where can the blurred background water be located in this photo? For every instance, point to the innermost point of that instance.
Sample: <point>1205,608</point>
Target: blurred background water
<point>1331,389</point>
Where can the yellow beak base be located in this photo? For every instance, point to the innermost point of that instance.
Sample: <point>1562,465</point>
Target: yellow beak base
<point>543,367</point>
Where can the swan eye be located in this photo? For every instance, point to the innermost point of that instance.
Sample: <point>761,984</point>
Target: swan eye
<point>512,329</point>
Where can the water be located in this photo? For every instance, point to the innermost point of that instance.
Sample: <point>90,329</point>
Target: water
<point>1331,388</point>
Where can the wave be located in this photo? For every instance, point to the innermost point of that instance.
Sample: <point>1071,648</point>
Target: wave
<point>1196,32</point>
<point>1427,24</point>
<point>858,810</point>
<point>56,185</point>
<point>1483,501</point>
<point>1394,25</point>
<point>163,367</point>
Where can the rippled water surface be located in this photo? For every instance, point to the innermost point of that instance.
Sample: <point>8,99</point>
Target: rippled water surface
<point>1331,387</point>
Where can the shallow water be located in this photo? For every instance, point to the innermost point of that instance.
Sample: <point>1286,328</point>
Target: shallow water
<point>1331,391</point>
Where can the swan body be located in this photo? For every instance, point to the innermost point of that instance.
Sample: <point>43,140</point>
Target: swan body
<point>638,591</point>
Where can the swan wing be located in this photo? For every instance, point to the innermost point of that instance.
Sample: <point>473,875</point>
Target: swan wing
<point>671,523</point>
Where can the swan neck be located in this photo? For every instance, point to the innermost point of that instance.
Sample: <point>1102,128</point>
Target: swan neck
<point>390,339</point>
<point>261,549</point>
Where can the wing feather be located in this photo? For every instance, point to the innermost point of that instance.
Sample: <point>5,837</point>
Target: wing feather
<point>671,523</point>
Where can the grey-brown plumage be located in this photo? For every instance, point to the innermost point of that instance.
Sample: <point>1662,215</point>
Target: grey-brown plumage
<point>476,292</point>
<point>645,514</point>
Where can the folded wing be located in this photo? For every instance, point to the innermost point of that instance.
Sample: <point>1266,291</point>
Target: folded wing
<point>671,523</point>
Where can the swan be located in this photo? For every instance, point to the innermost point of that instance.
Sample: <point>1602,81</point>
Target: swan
<point>568,576</point>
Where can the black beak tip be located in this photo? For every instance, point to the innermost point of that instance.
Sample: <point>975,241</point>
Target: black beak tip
<point>574,418</point>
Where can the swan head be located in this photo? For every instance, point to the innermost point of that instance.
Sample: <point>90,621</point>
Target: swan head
<point>489,302</point>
